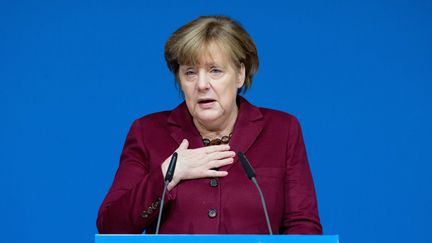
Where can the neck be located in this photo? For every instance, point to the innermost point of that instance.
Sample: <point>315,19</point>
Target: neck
<point>216,129</point>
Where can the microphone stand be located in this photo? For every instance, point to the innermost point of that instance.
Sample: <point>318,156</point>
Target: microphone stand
<point>168,177</point>
<point>252,176</point>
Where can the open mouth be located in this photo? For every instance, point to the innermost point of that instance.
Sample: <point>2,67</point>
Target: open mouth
<point>205,101</point>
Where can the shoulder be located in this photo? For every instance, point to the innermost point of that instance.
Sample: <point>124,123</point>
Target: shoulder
<point>150,124</point>
<point>282,125</point>
<point>158,122</point>
<point>270,117</point>
<point>278,117</point>
<point>276,114</point>
<point>153,119</point>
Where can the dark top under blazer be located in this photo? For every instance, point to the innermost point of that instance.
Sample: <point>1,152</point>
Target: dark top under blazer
<point>272,141</point>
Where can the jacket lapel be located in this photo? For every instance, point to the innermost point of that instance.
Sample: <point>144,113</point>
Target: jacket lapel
<point>248,127</point>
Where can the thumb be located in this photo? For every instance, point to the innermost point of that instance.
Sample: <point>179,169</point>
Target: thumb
<point>184,145</point>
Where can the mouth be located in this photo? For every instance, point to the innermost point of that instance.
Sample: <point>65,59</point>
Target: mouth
<point>205,101</point>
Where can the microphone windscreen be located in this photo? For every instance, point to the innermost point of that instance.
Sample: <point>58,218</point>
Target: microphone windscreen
<point>246,165</point>
<point>171,167</point>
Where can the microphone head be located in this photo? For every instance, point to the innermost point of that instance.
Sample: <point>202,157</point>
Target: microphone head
<point>171,167</point>
<point>246,165</point>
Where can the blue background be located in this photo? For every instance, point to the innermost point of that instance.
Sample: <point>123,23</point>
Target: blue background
<point>357,74</point>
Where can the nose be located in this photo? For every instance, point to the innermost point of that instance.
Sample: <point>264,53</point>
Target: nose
<point>203,83</point>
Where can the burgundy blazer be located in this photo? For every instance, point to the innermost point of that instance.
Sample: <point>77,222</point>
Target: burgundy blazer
<point>272,141</point>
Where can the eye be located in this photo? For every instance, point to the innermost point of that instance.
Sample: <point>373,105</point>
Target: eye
<point>189,72</point>
<point>215,70</point>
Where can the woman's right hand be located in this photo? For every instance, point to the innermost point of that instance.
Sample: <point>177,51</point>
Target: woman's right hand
<point>198,163</point>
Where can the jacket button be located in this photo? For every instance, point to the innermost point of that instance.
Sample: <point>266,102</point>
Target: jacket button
<point>212,213</point>
<point>154,206</point>
<point>213,183</point>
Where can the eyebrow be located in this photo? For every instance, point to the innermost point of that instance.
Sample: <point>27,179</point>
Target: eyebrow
<point>209,64</point>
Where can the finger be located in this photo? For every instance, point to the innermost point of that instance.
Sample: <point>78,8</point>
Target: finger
<point>215,173</point>
<point>221,155</point>
<point>215,148</point>
<point>219,163</point>
<point>184,145</point>
<point>204,173</point>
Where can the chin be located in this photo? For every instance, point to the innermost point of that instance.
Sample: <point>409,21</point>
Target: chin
<point>208,116</point>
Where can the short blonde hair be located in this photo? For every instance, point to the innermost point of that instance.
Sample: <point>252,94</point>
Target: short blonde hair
<point>185,44</point>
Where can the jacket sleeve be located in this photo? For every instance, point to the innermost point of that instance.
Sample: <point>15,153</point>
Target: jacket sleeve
<point>300,210</point>
<point>132,203</point>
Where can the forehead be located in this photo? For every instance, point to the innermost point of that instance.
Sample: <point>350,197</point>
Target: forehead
<point>207,54</point>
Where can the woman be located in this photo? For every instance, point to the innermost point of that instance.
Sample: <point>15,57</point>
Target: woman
<point>213,59</point>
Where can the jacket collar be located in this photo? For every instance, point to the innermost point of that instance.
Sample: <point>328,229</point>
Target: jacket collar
<point>248,126</point>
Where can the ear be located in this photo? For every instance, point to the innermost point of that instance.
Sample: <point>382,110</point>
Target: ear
<point>241,76</point>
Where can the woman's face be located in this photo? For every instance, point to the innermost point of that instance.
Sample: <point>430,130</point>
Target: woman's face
<point>210,87</point>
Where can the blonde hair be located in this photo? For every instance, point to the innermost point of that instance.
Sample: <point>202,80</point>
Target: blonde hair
<point>185,44</point>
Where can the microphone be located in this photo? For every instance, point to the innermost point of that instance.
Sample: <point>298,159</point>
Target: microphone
<point>171,167</point>
<point>168,178</point>
<point>252,176</point>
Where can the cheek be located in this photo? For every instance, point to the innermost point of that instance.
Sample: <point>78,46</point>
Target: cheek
<point>191,106</point>
<point>187,91</point>
<point>228,86</point>
<point>188,96</point>
<point>228,94</point>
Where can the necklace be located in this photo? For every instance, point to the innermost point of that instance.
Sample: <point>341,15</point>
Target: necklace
<point>217,141</point>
